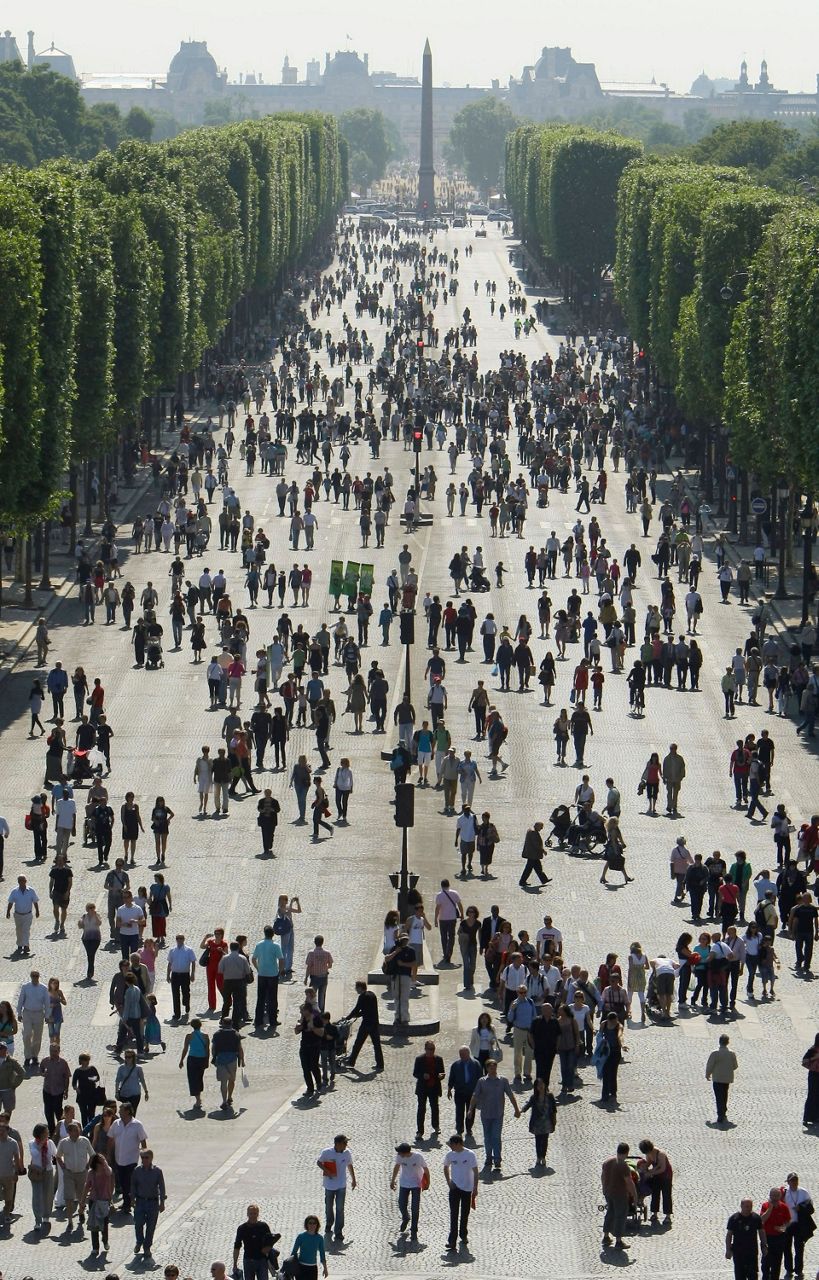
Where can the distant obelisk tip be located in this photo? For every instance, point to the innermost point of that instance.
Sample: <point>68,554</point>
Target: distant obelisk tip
<point>427,50</point>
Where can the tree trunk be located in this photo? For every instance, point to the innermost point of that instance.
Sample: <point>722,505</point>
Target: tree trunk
<point>28,598</point>
<point>45,581</point>
<point>89,528</point>
<point>73,479</point>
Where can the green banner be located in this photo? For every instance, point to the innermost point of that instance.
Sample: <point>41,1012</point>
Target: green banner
<point>365,585</point>
<point>350,587</point>
<point>336,577</point>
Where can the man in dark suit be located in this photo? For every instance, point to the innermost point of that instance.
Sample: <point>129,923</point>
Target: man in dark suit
<point>428,1073</point>
<point>464,1074</point>
<point>366,1008</point>
<point>489,927</point>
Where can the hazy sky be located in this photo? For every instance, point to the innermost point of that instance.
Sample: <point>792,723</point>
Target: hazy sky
<point>473,41</point>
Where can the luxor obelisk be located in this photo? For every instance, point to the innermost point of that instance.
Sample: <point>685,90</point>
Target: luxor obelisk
<point>426,170</point>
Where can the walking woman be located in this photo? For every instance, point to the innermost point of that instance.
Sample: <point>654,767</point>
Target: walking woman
<point>343,784</point>
<point>486,837</point>
<point>216,946</point>
<point>650,781</point>
<point>560,729</point>
<point>321,810</point>
<point>42,1174</point>
<point>468,931</point>
<point>35,700</point>
<point>357,702</point>
<point>161,817</point>
<point>97,1194</point>
<point>542,1118</point>
<point>300,780</point>
<point>609,1053</point>
<point>308,1250</point>
<point>548,677</point>
<point>159,907</point>
<point>638,968</point>
<point>568,1046</point>
<point>196,1050</point>
<point>483,1042</point>
<point>615,851</point>
<point>810,1061</point>
<point>91,926</point>
<point>131,820</point>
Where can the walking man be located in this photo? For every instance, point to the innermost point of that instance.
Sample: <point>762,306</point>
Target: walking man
<point>412,1172</point>
<point>461,1173</point>
<point>148,1189</point>
<point>618,1192</point>
<point>448,909</point>
<point>534,852</point>
<point>181,973</point>
<point>366,1008</point>
<point>335,1162</point>
<point>719,1069</point>
<point>489,1098</point>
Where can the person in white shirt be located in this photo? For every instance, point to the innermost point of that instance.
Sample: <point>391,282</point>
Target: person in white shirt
<point>126,1138</point>
<point>74,1154</point>
<point>412,1172</point>
<point>65,815</point>
<point>796,1196</point>
<point>180,974</point>
<point>448,909</point>
<point>4,835</point>
<point>334,1162</point>
<point>23,901</point>
<point>129,923</point>
<point>32,1005</point>
<point>461,1173</point>
<point>548,940</point>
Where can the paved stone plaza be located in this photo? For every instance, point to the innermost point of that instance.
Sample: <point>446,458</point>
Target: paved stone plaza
<point>214,1164</point>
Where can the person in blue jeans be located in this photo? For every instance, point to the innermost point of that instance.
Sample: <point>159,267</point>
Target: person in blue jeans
<point>489,1098</point>
<point>335,1162</point>
<point>283,929</point>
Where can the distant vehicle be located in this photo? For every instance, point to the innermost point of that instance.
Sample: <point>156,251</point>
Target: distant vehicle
<point>478,208</point>
<point>459,220</point>
<point>480,233</point>
<point>497,215</point>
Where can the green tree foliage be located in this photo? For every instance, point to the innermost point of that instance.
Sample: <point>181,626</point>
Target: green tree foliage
<point>54,191</point>
<point>585,174</point>
<point>746,144</point>
<point>118,272</point>
<point>477,140</point>
<point>772,360</point>
<point>368,139</point>
<point>732,229</point>
<point>21,417</point>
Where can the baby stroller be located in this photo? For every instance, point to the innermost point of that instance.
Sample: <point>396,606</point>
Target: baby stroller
<point>343,1028</point>
<point>80,771</point>
<point>478,581</point>
<point>153,653</point>
<point>543,495</point>
<point>561,820</point>
<point>586,832</point>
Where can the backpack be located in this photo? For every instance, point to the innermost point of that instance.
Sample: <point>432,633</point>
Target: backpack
<point>282,925</point>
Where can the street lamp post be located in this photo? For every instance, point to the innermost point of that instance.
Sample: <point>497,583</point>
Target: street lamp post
<point>782,492</point>
<point>806,521</point>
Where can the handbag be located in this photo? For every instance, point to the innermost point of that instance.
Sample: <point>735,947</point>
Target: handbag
<point>204,958</point>
<point>36,1173</point>
<point>100,1096</point>
<point>28,822</point>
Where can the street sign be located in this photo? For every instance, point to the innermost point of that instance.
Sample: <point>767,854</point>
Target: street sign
<point>759,506</point>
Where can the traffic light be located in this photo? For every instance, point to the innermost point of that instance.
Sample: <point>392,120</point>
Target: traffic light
<point>405,805</point>
<point>407,624</point>
<point>417,439</point>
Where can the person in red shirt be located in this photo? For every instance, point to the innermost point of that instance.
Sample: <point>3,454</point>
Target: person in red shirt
<point>738,770</point>
<point>776,1218</point>
<point>728,894</point>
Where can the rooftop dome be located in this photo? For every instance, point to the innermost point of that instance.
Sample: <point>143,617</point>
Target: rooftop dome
<point>193,55</point>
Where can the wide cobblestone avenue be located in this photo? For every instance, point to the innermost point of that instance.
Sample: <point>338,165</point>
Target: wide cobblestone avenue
<point>529,1221</point>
